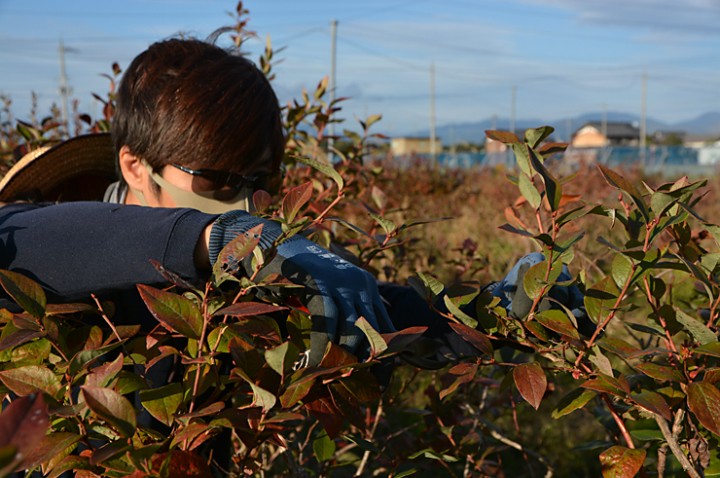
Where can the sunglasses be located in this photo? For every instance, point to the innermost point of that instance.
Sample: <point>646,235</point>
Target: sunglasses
<point>223,179</point>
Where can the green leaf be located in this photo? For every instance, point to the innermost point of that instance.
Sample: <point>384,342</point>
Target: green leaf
<point>25,292</point>
<point>531,382</point>
<point>557,321</point>
<point>697,329</point>
<point>282,357</point>
<point>600,299</point>
<point>522,156</point>
<point>458,313</point>
<point>621,462</point>
<point>86,357</point>
<point>534,136</point>
<point>324,168</point>
<point>295,199</point>
<point>27,380</point>
<point>553,188</point>
<point>574,400</point>
<point>163,402</point>
<point>387,225</point>
<point>617,181</point>
<point>661,372</point>
<point>704,402</point>
<point>261,397</point>
<point>529,191</point>
<point>377,343</point>
<point>534,279</point>
<point>323,447</point>
<point>111,407</point>
<point>434,285</point>
<point>622,269</point>
<point>712,349</point>
<point>176,312</point>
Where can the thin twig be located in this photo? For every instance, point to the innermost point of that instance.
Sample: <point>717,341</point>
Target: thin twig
<point>675,447</point>
<point>366,455</point>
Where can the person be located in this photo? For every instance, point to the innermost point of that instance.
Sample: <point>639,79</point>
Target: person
<point>196,130</point>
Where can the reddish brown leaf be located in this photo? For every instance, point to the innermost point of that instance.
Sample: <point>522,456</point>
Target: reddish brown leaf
<point>174,311</point>
<point>502,136</point>
<point>248,309</point>
<point>607,384</point>
<point>457,375</point>
<point>653,402</point>
<point>24,422</point>
<point>531,382</point>
<point>621,462</point>
<point>295,199</point>
<point>474,337</point>
<point>25,292</point>
<point>47,447</point>
<point>704,401</point>
<point>661,372</point>
<point>261,200</point>
<point>328,415</point>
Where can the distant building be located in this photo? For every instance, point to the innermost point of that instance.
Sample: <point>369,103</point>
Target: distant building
<point>406,146</point>
<point>597,134</point>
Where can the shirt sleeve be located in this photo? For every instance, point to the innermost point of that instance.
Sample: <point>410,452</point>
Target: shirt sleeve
<point>78,248</point>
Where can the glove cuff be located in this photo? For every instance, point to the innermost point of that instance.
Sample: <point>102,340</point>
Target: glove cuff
<point>231,224</point>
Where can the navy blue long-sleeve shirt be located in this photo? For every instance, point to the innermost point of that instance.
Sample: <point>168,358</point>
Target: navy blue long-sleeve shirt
<point>77,249</point>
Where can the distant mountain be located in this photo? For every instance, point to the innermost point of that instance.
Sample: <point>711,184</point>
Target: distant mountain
<point>707,124</point>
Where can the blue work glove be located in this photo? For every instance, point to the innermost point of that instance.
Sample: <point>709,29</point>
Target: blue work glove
<point>513,298</point>
<point>338,292</point>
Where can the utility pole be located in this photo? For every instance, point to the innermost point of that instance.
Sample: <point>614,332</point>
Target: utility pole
<point>65,90</point>
<point>512,109</point>
<point>433,151</point>
<point>643,119</point>
<point>603,123</point>
<point>333,84</point>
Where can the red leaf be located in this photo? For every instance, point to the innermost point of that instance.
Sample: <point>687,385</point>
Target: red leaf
<point>24,422</point>
<point>704,401</point>
<point>296,198</point>
<point>459,374</point>
<point>621,462</point>
<point>531,382</point>
<point>247,309</point>
<point>328,415</point>
<point>174,311</point>
<point>474,337</point>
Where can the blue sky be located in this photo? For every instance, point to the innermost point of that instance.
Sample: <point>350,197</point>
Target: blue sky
<point>562,57</point>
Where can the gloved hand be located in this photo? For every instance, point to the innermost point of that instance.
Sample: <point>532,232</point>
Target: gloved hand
<point>512,294</point>
<point>338,291</point>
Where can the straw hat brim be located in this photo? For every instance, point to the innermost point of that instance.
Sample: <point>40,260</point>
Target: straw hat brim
<point>44,172</point>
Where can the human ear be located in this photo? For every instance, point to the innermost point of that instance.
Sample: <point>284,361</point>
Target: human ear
<point>132,169</point>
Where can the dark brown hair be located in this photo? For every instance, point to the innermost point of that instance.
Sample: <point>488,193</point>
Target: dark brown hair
<point>193,103</point>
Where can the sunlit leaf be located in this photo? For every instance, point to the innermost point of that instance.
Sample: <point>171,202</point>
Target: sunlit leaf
<point>26,292</point>
<point>704,401</point>
<point>619,182</point>
<point>534,136</point>
<point>696,327</point>
<point>621,462</point>
<point>30,379</point>
<point>323,448</point>
<point>295,199</point>
<point>557,321</point>
<point>474,337</point>
<point>324,168</point>
<point>574,400</point>
<point>458,374</point>
<point>653,402</point>
<point>600,299</point>
<point>553,188</point>
<point>111,407</point>
<point>163,402</point>
<point>661,372</point>
<point>249,309</point>
<point>176,312</point>
<point>529,191</point>
<point>377,343</point>
<point>531,382</point>
<point>502,136</point>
